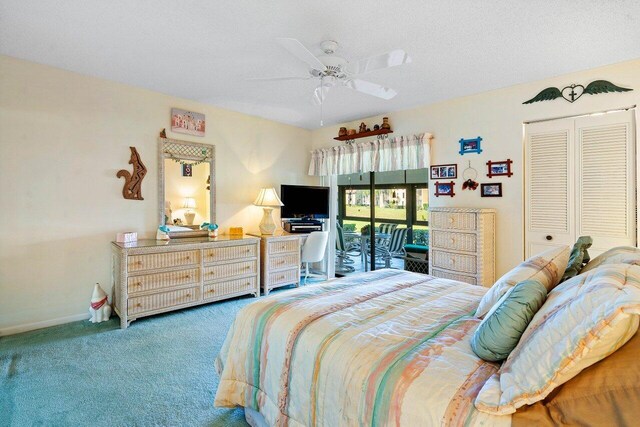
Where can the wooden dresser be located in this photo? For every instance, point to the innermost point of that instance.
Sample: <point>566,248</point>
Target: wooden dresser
<point>155,276</point>
<point>279,259</point>
<point>462,244</point>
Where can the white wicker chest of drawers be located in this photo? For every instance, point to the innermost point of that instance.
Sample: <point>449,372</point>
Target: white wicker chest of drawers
<point>279,260</point>
<point>462,244</point>
<point>151,277</point>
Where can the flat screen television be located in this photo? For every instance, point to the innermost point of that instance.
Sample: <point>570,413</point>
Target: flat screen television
<point>303,201</point>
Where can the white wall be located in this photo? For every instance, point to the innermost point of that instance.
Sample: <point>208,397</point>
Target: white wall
<point>63,138</point>
<point>498,117</point>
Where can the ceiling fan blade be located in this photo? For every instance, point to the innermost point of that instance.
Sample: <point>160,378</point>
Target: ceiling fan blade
<point>378,62</point>
<point>298,50</point>
<point>369,88</point>
<point>277,78</point>
<point>319,94</point>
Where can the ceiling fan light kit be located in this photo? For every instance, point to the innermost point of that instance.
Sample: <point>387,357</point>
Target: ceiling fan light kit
<point>331,70</point>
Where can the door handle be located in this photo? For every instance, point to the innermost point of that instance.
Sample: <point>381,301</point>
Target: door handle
<point>549,237</point>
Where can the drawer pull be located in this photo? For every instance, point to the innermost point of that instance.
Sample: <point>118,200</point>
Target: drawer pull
<point>139,305</point>
<point>137,284</point>
<point>248,250</point>
<point>188,295</point>
<point>281,278</point>
<point>139,262</point>
<point>211,291</point>
<point>453,240</point>
<point>451,219</point>
<point>247,267</point>
<point>453,260</point>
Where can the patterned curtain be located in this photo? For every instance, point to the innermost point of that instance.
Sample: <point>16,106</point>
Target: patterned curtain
<point>384,155</point>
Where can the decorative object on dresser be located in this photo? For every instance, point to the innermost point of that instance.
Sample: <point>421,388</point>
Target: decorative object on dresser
<point>491,190</point>
<point>99,309</point>
<point>501,168</point>
<point>268,199</point>
<point>462,244</point>
<point>444,171</point>
<point>279,259</point>
<point>153,277</point>
<point>444,189</point>
<point>132,188</point>
<point>572,92</point>
<point>162,233</point>
<point>183,121</point>
<point>470,146</point>
<point>172,187</point>
<point>189,215</point>
<point>127,237</point>
<point>211,228</point>
<point>236,231</point>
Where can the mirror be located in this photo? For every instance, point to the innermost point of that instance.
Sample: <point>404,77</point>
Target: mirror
<point>186,185</point>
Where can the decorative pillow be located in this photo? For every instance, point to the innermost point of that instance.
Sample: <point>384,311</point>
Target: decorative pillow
<point>618,255</point>
<point>578,258</point>
<point>584,320</point>
<point>603,394</point>
<point>546,268</point>
<point>502,327</point>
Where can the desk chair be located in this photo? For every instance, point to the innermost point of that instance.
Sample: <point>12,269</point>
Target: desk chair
<point>313,251</point>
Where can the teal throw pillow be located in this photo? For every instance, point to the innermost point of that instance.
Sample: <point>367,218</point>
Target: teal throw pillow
<point>579,257</point>
<point>499,332</point>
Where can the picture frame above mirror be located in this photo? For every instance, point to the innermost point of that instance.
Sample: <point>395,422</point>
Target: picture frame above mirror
<point>185,206</point>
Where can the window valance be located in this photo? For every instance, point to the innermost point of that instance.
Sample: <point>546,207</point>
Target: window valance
<point>383,155</point>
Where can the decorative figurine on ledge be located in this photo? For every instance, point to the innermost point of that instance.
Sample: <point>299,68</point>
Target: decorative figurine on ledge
<point>385,123</point>
<point>342,131</point>
<point>99,310</point>
<point>212,228</point>
<point>363,128</point>
<point>376,127</point>
<point>163,233</point>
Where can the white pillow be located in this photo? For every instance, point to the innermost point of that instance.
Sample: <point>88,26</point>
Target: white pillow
<point>584,320</point>
<point>546,268</point>
<point>619,255</point>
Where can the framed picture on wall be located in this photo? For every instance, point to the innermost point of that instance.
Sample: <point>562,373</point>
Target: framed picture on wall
<point>444,189</point>
<point>470,146</point>
<point>187,169</point>
<point>183,121</point>
<point>501,168</point>
<point>444,171</point>
<point>491,190</point>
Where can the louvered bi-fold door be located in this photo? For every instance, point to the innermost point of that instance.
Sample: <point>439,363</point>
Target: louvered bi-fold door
<point>549,185</point>
<point>606,184</point>
<point>581,180</point>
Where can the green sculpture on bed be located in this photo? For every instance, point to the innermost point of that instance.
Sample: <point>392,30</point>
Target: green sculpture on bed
<point>579,257</point>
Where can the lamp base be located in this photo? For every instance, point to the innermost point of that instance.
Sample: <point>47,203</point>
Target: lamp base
<point>189,216</point>
<point>267,226</point>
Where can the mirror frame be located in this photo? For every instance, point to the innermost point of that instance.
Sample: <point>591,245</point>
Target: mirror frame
<point>186,150</point>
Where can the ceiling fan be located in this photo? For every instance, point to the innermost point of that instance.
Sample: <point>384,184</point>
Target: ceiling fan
<point>332,70</point>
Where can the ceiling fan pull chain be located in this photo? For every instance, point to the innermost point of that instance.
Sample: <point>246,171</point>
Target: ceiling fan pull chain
<point>321,101</point>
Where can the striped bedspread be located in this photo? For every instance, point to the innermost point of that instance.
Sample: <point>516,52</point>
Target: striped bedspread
<point>382,348</point>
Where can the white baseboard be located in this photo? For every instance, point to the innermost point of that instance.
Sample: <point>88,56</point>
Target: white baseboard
<point>11,330</point>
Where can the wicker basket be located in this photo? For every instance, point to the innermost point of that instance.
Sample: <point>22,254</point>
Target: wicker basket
<point>416,265</point>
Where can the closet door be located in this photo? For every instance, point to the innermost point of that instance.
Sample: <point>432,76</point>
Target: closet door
<point>606,180</point>
<point>549,185</point>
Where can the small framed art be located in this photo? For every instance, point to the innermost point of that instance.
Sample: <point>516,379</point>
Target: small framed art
<point>470,146</point>
<point>445,189</point>
<point>501,168</point>
<point>444,171</point>
<point>187,169</point>
<point>491,190</point>
<point>183,121</point>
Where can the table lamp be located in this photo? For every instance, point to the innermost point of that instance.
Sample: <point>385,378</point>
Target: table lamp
<point>268,199</point>
<point>189,215</point>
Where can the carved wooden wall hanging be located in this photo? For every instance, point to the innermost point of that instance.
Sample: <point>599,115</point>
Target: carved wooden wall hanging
<point>133,181</point>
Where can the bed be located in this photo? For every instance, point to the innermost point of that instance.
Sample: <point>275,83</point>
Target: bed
<point>387,347</point>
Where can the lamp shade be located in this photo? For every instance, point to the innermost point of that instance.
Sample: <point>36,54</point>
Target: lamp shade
<point>189,203</point>
<point>268,197</point>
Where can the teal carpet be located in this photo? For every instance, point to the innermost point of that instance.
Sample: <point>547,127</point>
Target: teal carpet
<point>158,372</point>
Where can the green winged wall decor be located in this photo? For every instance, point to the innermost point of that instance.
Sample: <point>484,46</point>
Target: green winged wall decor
<point>572,92</point>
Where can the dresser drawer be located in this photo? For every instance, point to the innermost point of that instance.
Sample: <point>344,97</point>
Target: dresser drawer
<point>453,261</point>
<point>453,241</point>
<point>454,276</point>
<point>453,220</point>
<point>152,282</point>
<point>162,260</point>
<point>229,287</point>
<point>286,277</point>
<point>282,246</point>
<point>230,253</point>
<point>280,262</point>
<point>225,271</point>
<point>153,302</point>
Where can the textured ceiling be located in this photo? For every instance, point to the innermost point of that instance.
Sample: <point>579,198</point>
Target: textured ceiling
<point>204,50</point>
